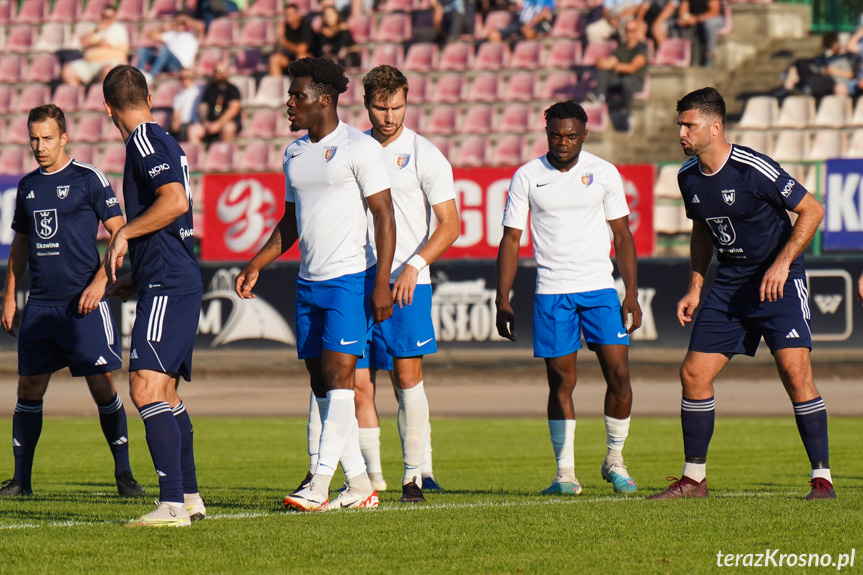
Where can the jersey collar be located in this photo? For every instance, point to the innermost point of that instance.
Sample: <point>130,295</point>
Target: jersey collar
<point>719,169</point>
<point>44,173</point>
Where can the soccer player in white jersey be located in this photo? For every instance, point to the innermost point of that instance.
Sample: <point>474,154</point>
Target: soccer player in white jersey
<point>573,197</point>
<point>332,175</point>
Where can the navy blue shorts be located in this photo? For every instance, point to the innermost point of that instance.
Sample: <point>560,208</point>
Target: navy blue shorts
<point>733,321</point>
<point>375,355</point>
<point>163,337</point>
<point>54,337</point>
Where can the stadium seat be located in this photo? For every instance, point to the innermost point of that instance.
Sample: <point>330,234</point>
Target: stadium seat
<point>406,6</point>
<point>833,112</point>
<point>69,98</point>
<point>669,218</point>
<point>674,52</point>
<point>495,20</point>
<point>11,159</point>
<point>19,40</point>
<point>263,124</point>
<point>89,128</point>
<point>132,10</point>
<point>421,57</point>
<point>418,86</point>
<point>221,33</point>
<point>360,120</point>
<point>246,86</point>
<point>521,87</point>
<point>448,89</point>
<point>758,140</point>
<point>478,119</point>
<point>113,159</point>
<point>31,12</point>
<point>220,157</point>
<point>11,68</point>
<point>568,24</point>
<point>249,62</point>
<point>759,113</point>
<point>666,182</point>
<point>857,117</point>
<point>207,60</point>
<point>93,10</point>
<point>31,96</point>
<point>791,146</point>
<point>855,144</point>
<point>272,92</point>
<point>558,86</point>
<point>491,56</point>
<point>43,68</point>
<point>361,27</point>
<point>534,148</point>
<point>471,153</point>
<point>7,93</point>
<point>391,54</point>
<point>161,117</point>
<point>516,119</point>
<point>165,92</point>
<point>507,151</point>
<point>266,8</point>
<point>484,87</point>
<point>6,12</point>
<point>354,94</point>
<point>527,55</point>
<point>826,145</point>
<point>257,33</point>
<point>796,112</point>
<point>94,100</point>
<point>64,11</point>
<point>563,54</point>
<point>597,116</point>
<point>83,153</point>
<point>442,120</point>
<point>413,118</point>
<point>255,157</point>
<point>576,4</point>
<point>52,37</point>
<point>163,9</point>
<point>596,50</point>
<point>394,28</point>
<point>456,57</point>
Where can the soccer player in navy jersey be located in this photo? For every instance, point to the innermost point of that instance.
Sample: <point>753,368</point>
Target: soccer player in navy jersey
<point>57,213</point>
<point>738,201</point>
<point>159,239</point>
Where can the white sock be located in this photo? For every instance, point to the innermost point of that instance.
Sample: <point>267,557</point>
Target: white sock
<point>370,445</point>
<point>339,424</point>
<point>313,431</point>
<point>823,473</point>
<point>352,460</point>
<point>695,471</point>
<point>563,441</point>
<point>413,428</point>
<point>427,458</point>
<point>616,431</point>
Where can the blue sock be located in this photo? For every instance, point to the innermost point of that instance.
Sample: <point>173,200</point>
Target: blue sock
<point>187,451</point>
<point>112,417</point>
<point>697,417</point>
<point>26,429</point>
<point>163,439</point>
<point>811,419</point>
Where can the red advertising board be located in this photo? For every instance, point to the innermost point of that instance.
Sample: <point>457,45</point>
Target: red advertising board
<point>240,211</point>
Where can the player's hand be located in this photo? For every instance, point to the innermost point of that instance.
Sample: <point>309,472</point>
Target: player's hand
<point>382,302</point>
<point>114,256</point>
<point>122,288</point>
<point>505,322</point>
<point>686,307</point>
<point>246,280</point>
<point>91,297</point>
<point>860,289</point>
<point>630,306</point>
<point>11,316</point>
<point>773,283</point>
<point>406,284</point>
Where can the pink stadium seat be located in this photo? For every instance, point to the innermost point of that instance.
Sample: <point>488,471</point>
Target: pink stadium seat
<point>163,8</point>
<point>31,12</point>
<point>83,153</point>
<point>442,120</point>
<point>11,160</point>
<point>456,57</point>
<point>471,153</point>
<point>527,54</point>
<point>536,148</point>
<point>264,8</point>
<point>398,6</point>
<point>43,68</point>
<point>220,157</point>
<point>568,24</point>
<point>220,34</point>
<point>163,96</point>
<point>69,98</point>
<point>675,52</point>
<point>520,88</point>
<point>194,153</point>
<point>264,124</point>
<point>507,151</point>
<point>597,116</point>
<point>207,60</point>
<point>391,54</point>
<point>132,10</point>
<point>272,92</point>
<point>19,40</point>
<point>597,50</point>
<point>558,86</point>
<point>17,131</point>
<point>161,117</point>
<point>418,85</point>
<point>11,68</point>
<point>52,37</point>
<point>6,11</point>
<point>564,54</point>
<point>255,157</point>
<point>361,27</point>
<point>491,56</point>
<point>94,100</point>
<point>485,87</point>
<point>394,28</point>
<point>421,57</point>
<point>257,33</point>
<point>64,11</point>
<point>31,96</point>
<point>516,119</point>
<point>413,118</point>
<point>478,119</point>
<point>113,159</point>
<point>496,20</point>
<point>89,128</point>
<point>360,120</point>
<point>145,39</point>
<point>248,62</point>
<point>93,10</point>
<point>6,93</point>
<point>448,89</point>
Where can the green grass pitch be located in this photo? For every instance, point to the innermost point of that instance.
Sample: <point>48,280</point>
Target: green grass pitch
<point>489,519</point>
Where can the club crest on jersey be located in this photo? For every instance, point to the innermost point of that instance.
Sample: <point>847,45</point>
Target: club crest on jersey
<point>62,192</point>
<point>330,152</point>
<point>722,230</point>
<point>728,196</point>
<point>587,179</point>
<point>46,223</point>
<point>402,160</point>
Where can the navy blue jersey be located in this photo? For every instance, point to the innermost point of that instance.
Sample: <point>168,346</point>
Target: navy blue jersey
<point>163,260</point>
<point>744,204</point>
<point>60,213</point>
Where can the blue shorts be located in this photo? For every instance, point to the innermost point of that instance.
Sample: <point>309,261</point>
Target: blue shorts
<point>375,355</point>
<point>560,319</point>
<point>733,321</point>
<point>54,337</point>
<point>334,314</point>
<point>410,332</point>
<point>163,337</point>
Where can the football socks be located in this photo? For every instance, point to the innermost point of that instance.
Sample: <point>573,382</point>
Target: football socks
<point>112,418</point>
<point>616,432</point>
<point>370,445</point>
<point>413,418</point>
<point>26,429</point>
<point>187,450</point>
<point>163,439</point>
<point>811,419</point>
<point>339,423</point>
<point>697,417</point>
<point>563,440</point>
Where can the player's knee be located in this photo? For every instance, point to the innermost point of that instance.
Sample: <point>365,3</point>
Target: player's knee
<point>32,388</point>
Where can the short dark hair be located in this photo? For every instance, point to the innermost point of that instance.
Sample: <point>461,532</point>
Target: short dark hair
<point>829,39</point>
<point>48,112</point>
<point>384,80</point>
<point>328,76</point>
<point>125,88</point>
<point>565,111</point>
<point>707,101</point>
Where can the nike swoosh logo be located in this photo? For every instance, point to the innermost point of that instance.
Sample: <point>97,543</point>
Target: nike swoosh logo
<point>422,343</point>
<point>343,342</point>
<point>543,184</point>
<point>621,334</point>
<point>295,155</point>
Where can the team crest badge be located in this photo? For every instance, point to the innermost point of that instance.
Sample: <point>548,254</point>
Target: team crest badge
<point>728,196</point>
<point>62,192</point>
<point>402,160</point>
<point>330,153</point>
<point>587,179</point>
<point>722,230</point>
<point>46,223</point>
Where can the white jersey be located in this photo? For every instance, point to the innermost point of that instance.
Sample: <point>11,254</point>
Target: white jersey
<point>569,212</point>
<point>329,182</point>
<point>421,177</point>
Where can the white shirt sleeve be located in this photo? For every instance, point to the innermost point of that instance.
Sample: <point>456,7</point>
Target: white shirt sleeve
<point>369,166</point>
<point>434,172</point>
<point>290,196</point>
<point>614,201</point>
<point>517,202</point>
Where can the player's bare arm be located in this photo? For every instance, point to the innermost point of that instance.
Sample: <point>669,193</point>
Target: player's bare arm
<point>700,254</point>
<point>507,266</point>
<point>381,207</point>
<point>809,215</point>
<point>627,265</point>
<point>171,203</point>
<point>440,241</point>
<point>860,289</point>
<point>18,253</point>
<point>93,293</point>
<point>284,235</point>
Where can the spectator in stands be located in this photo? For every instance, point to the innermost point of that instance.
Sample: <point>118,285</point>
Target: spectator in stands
<point>854,48</point>
<point>623,72</point>
<point>105,47</point>
<point>296,40</point>
<point>534,19</point>
<point>658,17</point>
<point>185,114</point>
<point>208,10</point>
<point>180,39</point>
<point>219,110</point>
<point>831,72</point>
<point>453,18</point>
<point>607,20</point>
<point>700,21</point>
<point>335,40</point>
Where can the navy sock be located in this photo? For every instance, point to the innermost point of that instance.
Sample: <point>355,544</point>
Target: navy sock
<point>187,451</point>
<point>26,429</point>
<point>811,419</point>
<point>697,416</point>
<point>112,417</point>
<point>163,439</point>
